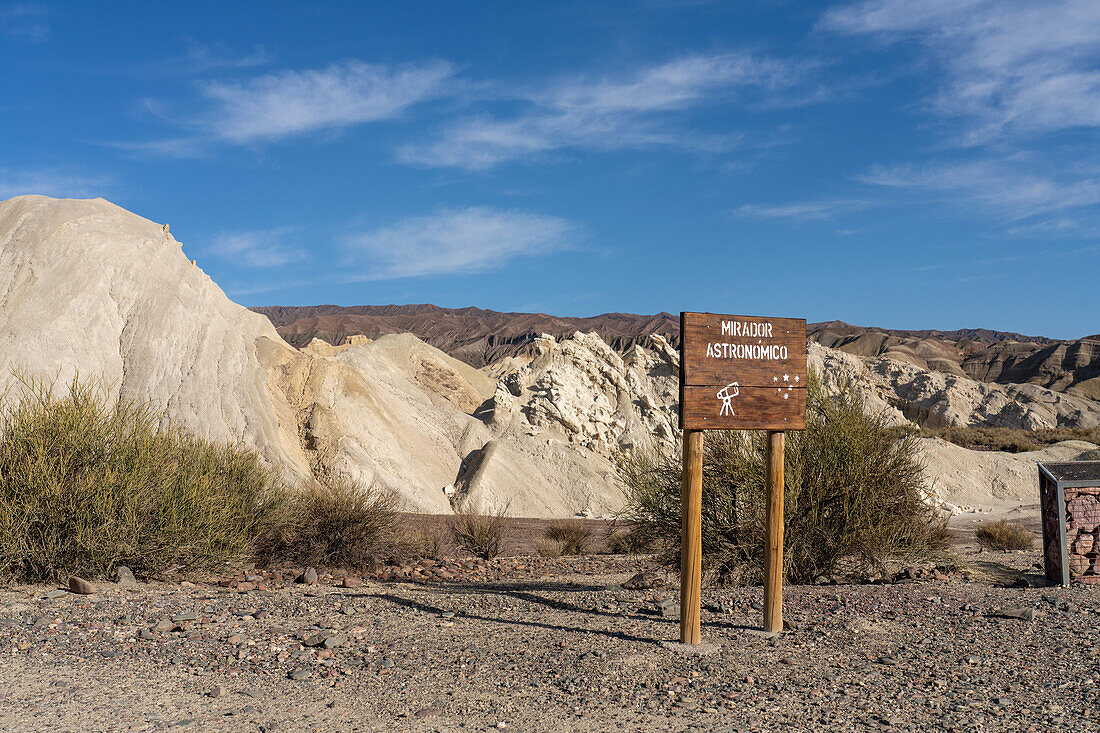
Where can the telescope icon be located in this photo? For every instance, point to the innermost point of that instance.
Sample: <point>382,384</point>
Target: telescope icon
<point>726,396</point>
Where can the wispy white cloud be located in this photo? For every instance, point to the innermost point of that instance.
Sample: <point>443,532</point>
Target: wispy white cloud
<point>284,104</point>
<point>455,241</point>
<point>1011,75</point>
<point>1012,67</point>
<point>25,22</point>
<point>202,58</point>
<point>54,182</point>
<point>259,248</point>
<point>801,210</point>
<point>611,113</point>
<point>279,105</point>
<point>1011,192</point>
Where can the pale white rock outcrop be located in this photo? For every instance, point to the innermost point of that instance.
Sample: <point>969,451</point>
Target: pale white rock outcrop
<point>88,288</point>
<point>963,480</point>
<point>908,393</point>
<point>580,391</point>
<point>399,413</point>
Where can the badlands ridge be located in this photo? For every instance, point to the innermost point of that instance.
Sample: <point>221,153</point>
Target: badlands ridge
<point>89,289</point>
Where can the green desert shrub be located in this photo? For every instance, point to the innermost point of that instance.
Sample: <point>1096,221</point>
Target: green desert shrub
<point>573,535</point>
<point>1004,535</point>
<point>86,485</point>
<point>480,533</point>
<point>853,498</point>
<point>336,523</point>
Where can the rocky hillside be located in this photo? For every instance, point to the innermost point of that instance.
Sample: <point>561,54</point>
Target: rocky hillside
<point>478,337</point>
<point>929,398</point>
<point>88,288</point>
<point>986,356</point>
<point>481,337</point>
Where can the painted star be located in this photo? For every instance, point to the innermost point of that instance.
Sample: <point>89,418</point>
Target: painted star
<point>775,379</point>
<point>786,396</point>
<point>796,379</point>
<point>786,378</point>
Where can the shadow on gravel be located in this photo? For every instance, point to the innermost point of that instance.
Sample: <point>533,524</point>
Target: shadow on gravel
<point>409,603</point>
<point>522,591</point>
<point>991,571</point>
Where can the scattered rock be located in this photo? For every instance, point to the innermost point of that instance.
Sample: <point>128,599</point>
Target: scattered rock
<point>216,692</point>
<point>163,626</point>
<point>300,674</point>
<point>351,581</point>
<point>309,577</point>
<point>1023,613</point>
<point>645,581</point>
<point>81,586</point>
<point>124,576</point>
<point>334,641</point>
<point>314,639</point>
<point>186,616</point>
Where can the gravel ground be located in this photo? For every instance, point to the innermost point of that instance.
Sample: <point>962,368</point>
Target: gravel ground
<point>551,646</point>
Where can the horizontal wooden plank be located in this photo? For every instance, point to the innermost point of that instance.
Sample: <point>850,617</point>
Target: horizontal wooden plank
<point>753,351</point>
<point>717,407</point>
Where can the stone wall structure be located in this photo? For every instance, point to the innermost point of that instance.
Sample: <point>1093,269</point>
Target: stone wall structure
<point>1070,498</point>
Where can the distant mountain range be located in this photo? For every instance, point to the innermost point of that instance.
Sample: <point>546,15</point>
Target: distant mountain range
<point>480,337</point>
<point>474,335</point>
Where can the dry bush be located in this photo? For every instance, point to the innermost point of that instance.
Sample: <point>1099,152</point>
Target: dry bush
<point>549,547</point>
<point>86,485</point>
<point>1011,440</point>
<point>427,541</point>
<point>853,497</point>
<point>574,535</point>
<point>480,534</point>
<point>1004,535</point>
<point>629,540</point>
<point>338,523</point>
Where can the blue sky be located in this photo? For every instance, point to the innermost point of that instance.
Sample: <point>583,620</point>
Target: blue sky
<point>902,163</point>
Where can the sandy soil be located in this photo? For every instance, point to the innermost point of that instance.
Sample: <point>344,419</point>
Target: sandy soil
<point>553,646</point>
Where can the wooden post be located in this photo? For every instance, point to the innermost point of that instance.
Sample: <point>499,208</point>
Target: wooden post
<point>691,536</point>
<point>773,551</point>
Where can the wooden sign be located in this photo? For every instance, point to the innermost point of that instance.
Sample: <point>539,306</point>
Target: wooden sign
<point>742,372</point>
<point>737,373</point>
